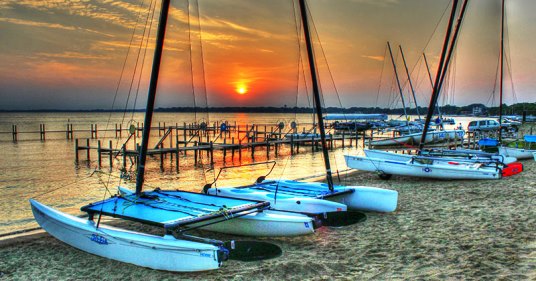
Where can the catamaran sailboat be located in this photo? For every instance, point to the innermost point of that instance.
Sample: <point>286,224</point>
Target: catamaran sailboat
<point>176,212</point>
<point>313,198</point>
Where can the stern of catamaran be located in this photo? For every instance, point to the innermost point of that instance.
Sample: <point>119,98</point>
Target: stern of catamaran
<point>222,255</point>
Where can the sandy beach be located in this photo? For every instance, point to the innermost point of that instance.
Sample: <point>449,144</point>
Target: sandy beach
<point>441,230</point>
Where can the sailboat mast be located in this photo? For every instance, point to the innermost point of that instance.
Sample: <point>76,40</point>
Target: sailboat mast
<point>316,92</point>
<point>451,47</point>
<point>428,69</point>
<point>443,66</point>
<point>502,72</point>
<point>140,177</point>
<point>410,83</point>
<point>398,83</point>
<point>431,81</point>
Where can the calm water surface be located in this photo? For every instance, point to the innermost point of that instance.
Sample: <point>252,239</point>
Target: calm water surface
<point>46,170</point>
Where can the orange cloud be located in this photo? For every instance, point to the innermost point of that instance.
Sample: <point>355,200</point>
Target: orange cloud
<point>376,58</point>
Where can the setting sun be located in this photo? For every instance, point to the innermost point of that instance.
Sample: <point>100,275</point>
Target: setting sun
<point>241,90</point>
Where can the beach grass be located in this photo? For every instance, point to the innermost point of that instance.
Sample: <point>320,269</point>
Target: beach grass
<point>454,230</point>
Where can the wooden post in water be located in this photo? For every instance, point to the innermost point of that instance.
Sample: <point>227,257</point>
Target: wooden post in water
<point>124,150</point>
<point>255,134</point>
<point>239,150</point>
<point>177,155</point>
<point>211,144</point>
<point>232,148</point>
<point>67,132</point>
<point>292,144</point>
<point>76,150</point>
<point>161,146</point>
<point>14,132</point>
<point>195,153</point>
<point>224,149</point>
<point>111,163</point>
<point>138,150</point>
<point>99,158</point>
<point>91,130</point>
<point>42,132</point>
<point>267,149</point>
<point>171,136</point>
<point>118,130</point>
<point>88,151</point>
<point>171,142</point>
<point>277,144</point>
<point>276,149</point>
<point>184,136</point>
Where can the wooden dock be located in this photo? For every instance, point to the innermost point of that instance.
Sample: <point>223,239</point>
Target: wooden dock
<point>218,141</point>
<point>223,139</point>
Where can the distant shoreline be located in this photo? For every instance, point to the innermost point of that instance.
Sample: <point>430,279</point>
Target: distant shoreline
<point>515,109</point>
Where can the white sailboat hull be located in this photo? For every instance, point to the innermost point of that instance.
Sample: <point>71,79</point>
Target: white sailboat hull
<point>156,252</point>
<point>431,137</point>
<point>265,223</point>
<point>392,141</point>
<point>519,153</point>
<point>415,169</point>
<point>362,198</point>
<point>372,153</point>
<point>367,198</point>
<point>284,202</point>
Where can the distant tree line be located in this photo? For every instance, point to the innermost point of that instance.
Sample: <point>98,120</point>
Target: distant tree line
<point>514,109</point>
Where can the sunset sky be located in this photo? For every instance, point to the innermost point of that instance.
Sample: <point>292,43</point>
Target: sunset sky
<point>60,54</point>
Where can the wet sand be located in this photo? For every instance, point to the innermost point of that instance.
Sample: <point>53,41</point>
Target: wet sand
<point>441,230</point>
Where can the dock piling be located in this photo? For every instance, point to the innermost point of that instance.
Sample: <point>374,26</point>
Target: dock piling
<point>88,151</point>
<point>42,132</point>
<point>76,150</point>
<point>110,163</point>
<point>99,158</point>
<point>14,132</point>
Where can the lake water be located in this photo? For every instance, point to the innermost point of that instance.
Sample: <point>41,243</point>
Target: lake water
<point>46,170</point>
